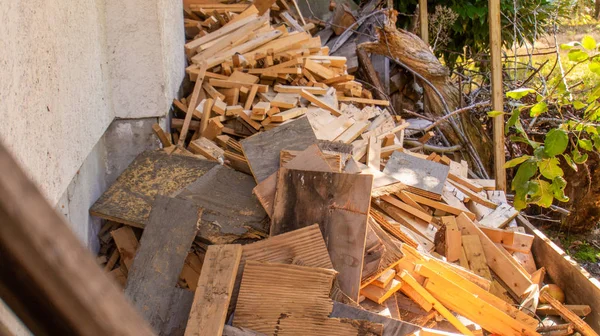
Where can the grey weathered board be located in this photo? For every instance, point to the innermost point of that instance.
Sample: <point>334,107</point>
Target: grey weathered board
<point>129,199</point>
<point>340,204</point>
<point>391,327</point>
<point>171,229</point>
<point>262,150</point>
<point>230,209</point>
<point>179,310</point>
<point>421,176</point>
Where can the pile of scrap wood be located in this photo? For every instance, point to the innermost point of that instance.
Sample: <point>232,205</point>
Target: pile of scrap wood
<point>283,203</point>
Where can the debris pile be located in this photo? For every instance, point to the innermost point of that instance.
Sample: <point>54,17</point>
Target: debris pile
<point>284,203</point>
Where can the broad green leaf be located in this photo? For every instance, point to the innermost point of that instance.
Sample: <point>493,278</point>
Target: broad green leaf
<point>596,140</point>
<point>578,105</point>
<point>594,67</point>
<point>590,129</point>
<point>545,194</point>
<point>538,109</point>
<point>549,168</point>
<point>492,114</point>
<point>520,200</point>
<point>588,42</point>
<point>579,158</point>
<point>569,46</point>
<point>516,162</point>
<point>558,189</point>
<point>576,55</point>
<point>556,142</point>
<point>585,144</point>
<point>519,93</point>
<point>525,172</point>
<point>570,162</point>
<point>514,117</point>
<point>540,153</point>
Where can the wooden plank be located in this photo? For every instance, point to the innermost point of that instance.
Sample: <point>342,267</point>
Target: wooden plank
<point>476,256</point>
<point>500,217</point>
<point>418,174</point>
<point>298,89</point>
<point>391,327</point>
<point>465,182</point>
<point>410,281</point>
<point>525,260</point>
<point>353,132</point>
<point>263,5</point>
<point>193,45</point>
<point>510,240</point>
<point>364,101</point>
<point>579,310</point>
<point>421,301</point>
<point>384,279</point>
<point>231,212</point>
<point>423,21</point>
<point>269,291</point>
<point>318,102</point>
<point>497,91</point>
<point>475,197</point>
<point>127,244</point>
<point>516,280</point>
<point>163,248</point>
<point>453,248</point>
<point>470,306</point>
<point>378,294</point>
<point>403,206</point>
<point>206,148</point>
<point>340,204</point>
<point>285,100</point>
<point>441,206</point>
<point>193,104</point>
<point>374,153</point>
<point>211,300</point>
<point>568,315</point>
<point>262,149</point>
<point>164,139</point>
<point>47,277</point>
<point>129,200</point>
<point>289,114</point>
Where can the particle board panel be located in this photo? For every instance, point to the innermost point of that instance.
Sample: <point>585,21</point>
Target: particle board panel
<point>339,203</point>
<point>211,299</point>
<point>230,209</point>
<point>163,248</point>
<point>262,149</point>
<point>129,199</point>
<point>289,300</point>
<point>422,176</point>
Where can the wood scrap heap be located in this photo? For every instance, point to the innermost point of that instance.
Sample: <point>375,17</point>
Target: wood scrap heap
<point>284,203</point>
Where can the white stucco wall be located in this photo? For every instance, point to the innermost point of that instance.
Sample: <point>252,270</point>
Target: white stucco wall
<point>68,68</point>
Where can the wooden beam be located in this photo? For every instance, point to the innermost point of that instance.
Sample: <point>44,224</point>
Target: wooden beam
<point>215,286</point>
<point>497,92</point>
<point>311,98</point>
<point>47,277</point>
<point>192,105</point>
<point>424,21</point>
<point>568,315</point>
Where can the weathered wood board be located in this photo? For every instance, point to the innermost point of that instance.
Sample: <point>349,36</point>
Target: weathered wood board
<point>230,209</point>
<point>421,176</point>
<point>579,286</point>
<point>163,248</point>
<point>279,299</point>
<point>215,286</point>
<point>262,149</point>
<point>391,327</point>
<point>129,199</point>
<point>339,203</point>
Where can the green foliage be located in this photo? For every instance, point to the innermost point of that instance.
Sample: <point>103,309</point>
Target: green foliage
<point>539,178</point>
<point>471,29</point>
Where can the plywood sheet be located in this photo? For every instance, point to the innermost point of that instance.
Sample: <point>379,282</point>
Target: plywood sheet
<point>262,149</point>
<point>129,199</point>
<point>422,176</point>
<point>163,248</point>
<point>339,203</point>
<point>230,209</point>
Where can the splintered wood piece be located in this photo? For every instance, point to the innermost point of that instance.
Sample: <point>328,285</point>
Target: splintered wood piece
<point>211,300</point>
<point>316,101</point>
<point>422,176</point>
<point>164,139</point>
<point>378,294</point>
<point>453,246</point>
<point>476,256</point>
<point>214,129</point>
<point>391,229</point>
<point>262,149</point>
<point>340,204</point>
<point>475,197</point>
<point>261,108</point>
<point>208,105</point>
<point>318,70</point>
<point>193,45</point>
<point>517,280</point>
<point>206,148</point>
<point>289,114</point>
<point>410,281</point>
<point>500,217</point>
<point>163,248</point>
<point>473,307</point>
<point>127,244</point>
<point>568,315</point>
<point>441,206</point>
<point>191,270</point>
